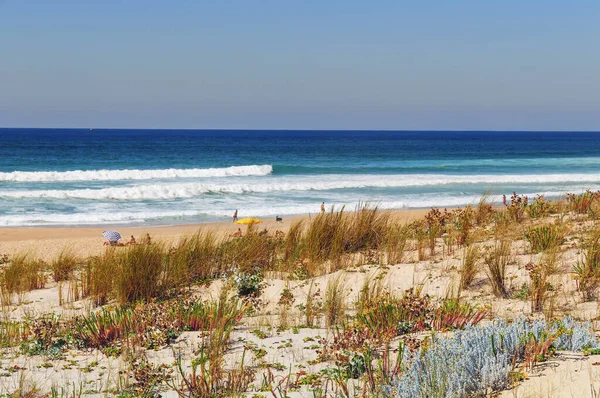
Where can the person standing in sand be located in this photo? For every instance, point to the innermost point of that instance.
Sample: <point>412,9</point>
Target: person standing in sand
<point>322,207</point>
<point>235,216</point>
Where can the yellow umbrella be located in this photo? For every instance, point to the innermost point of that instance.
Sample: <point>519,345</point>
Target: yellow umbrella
<point>248,220</point>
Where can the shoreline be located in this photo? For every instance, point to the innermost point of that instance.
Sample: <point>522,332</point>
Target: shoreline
<point>46,243</point>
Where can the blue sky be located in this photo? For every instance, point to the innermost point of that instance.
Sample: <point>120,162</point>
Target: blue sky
<point>313,64</point>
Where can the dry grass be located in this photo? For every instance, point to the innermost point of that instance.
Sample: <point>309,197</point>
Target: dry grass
<point>64,265</point>
<point>396,242</point>
<point>196,257</point>
<point>540,275</point>
<point>371,289</point>
<point>335,300</point>
<point>311,311</point>
<point>141,273</point>
<point>470,266</point>
<point>22,274</point>
<point>293,243</point>
<point>97,277</point>
<point>588,270</point>
<point>496,259</point>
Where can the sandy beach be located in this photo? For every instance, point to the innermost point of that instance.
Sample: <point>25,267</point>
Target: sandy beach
<point>276,335</point>
<point>47,243</point>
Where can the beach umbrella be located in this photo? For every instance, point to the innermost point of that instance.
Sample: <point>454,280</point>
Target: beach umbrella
<point>111,235</point>
<point>248,220</point>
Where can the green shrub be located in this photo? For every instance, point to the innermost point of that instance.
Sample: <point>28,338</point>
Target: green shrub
<point>543,237</point>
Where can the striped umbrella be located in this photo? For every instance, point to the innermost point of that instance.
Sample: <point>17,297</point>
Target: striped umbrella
<point>111,235</point>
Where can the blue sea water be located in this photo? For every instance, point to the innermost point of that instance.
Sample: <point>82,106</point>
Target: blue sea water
<point>105,177</point>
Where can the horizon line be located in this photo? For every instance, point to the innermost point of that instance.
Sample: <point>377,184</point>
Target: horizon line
<point>303,129</point>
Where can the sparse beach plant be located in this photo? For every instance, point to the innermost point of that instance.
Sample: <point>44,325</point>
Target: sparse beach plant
<point>249,284</point>
<point>101,328</point>
<point>539,275</point>
<point>367,228</point>
<point>484,210</point>
<point>64,265</point>
<point>396,242</point>
<point>545,236</point>
<point>470,267</point>
<point>335,300</point>
<point>588,269</point>
<point>209,378</point>
<point>196,257</point>
<point>496,260</point>
<point>453,314</point>
<point>293,242</point>
<point>22,274</point>
<point>312,308</point>
<point>419,234</point>
<point>515,210</point>
<point>140,273</point>
<point>286,299</point>
<point>254,251</point>
<point>436,226</point>
<point>540,207</point>
<point>12,333</point>
<point>332,236</point>
<point>372,287</point>
<point>325,239</point>
<point>97,277</point>
<point>463,221</point>
<point>584,203</point>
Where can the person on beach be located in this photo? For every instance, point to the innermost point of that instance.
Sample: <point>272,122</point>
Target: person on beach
<point>235,216</point>
<point>237,234</point>
<point>132,241</point>
<point>322,207</point>
<point>147,240</point>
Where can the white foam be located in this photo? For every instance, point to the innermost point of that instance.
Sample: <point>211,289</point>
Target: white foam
<point>91,218</point>
<point>298,183</point>
<point>114,175</point>
<point>254,208</point>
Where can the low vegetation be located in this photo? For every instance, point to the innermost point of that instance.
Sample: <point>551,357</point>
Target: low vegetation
<point>366,339</point>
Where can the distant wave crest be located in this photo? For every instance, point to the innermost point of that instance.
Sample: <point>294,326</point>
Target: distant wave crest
<point>323,183</point>
<point>115,175</point>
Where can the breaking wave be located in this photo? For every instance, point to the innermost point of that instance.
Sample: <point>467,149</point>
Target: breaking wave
<point>115,175</point>
<point>323,183</point>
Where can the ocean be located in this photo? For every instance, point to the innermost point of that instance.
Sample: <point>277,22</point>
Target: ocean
<point>83,177</point>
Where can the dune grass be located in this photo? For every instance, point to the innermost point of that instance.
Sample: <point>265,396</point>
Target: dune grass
<point>540,275</point>
<point>22,274</point>
<point>64,265</point>
<point>588,268</point>
<point>143,281</point>
<point>470,266</point>
<point>396,242</point>
<point>97,275</point>
<point>496,260</point>
<point>335,300</point>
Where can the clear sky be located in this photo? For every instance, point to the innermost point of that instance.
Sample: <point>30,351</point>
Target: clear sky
<point>300,64</point>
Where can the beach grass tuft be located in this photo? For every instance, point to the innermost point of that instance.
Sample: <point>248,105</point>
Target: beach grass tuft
<point>64,265</point>
<point>587,269</point>
<point>470,267</point>
<point>496,259</point>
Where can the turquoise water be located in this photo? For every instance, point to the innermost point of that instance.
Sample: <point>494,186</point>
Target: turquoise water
<point>106,177</point>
